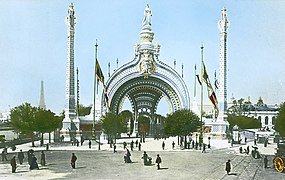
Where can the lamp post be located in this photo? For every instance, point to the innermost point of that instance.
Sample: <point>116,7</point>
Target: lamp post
<point>209,146</point>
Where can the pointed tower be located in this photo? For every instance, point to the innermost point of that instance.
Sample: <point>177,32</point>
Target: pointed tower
<point>42,97</point>
<point>223,25</point>
<point>70,127</point>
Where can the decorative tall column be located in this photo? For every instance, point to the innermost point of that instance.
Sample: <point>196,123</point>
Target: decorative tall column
<point>220,126</point>
<point>223,25</point>
<point>70,127</point>
<point>42,97</point>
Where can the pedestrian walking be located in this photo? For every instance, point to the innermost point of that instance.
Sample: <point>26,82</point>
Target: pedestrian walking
<point>158,161</point>
<point>30,153</point>
<point>163,145</point>
<point>146,159</point>
<point>193,145</point>
<point>228,166</point>
<point>204,148</point>
<point>13,164</point>
<point>73,160</point>
<point>247,150</point>
<point>115,148</point>
<point>137,142</point>
<point>127,157</point>
<point>265,161</point>
<point>77,142</point>
<point>21,156</point>
<point>89,144</point>
<point>140,146</point>
<point>173,144</point>
<point>4,154</point>
<point>132,145</point>
<point>255,142</point>
<point>245,139</point>
<point>125,144</point>
<point>34,164</point>
<point>43,159</point>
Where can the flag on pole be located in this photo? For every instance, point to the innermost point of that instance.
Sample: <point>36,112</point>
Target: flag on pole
<point>198,79</point>
<point>99,73</point>
<point>211,93</point>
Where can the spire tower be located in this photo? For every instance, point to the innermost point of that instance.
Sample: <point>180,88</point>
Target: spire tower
<point>42,97</point>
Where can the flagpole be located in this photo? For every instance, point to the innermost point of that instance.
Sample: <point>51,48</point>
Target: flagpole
<point>94,93</point>
<point>195,82</point>
<point>201,129</point>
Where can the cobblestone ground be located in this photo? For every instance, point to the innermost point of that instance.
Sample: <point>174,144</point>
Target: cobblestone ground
<point>175,165</point>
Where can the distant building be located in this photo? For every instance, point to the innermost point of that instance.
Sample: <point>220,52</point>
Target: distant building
<point>5,117</point>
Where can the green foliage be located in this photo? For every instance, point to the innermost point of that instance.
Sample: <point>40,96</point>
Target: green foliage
<point>46,121</point>
<point>143,123</point>
<point>127,115</point>
<point>243,122</point>
<point>23,118</point>
<point>280,121</point>
<point>83,110</point>
<point>181,123</point>
<point>27,119</point>
<point>113,124</point>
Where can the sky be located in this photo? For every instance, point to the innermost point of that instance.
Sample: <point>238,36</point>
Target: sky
<point>33,45</point>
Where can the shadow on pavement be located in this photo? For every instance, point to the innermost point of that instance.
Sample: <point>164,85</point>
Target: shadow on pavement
<point>80,167</point>
<point>162,168</point>
<point>21,171</point>
<point>235,174</point>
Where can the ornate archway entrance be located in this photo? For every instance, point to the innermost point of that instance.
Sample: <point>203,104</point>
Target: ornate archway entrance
<point>145,80</point>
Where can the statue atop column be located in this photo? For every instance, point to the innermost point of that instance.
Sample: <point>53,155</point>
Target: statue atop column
<point>147,16</point>
<point>71,19</point>
<point>224,24</point>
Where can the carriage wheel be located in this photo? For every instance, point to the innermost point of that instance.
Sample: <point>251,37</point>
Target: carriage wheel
<point>279,164</point>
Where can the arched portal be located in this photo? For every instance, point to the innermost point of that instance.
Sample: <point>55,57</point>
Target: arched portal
<point>144,81</point>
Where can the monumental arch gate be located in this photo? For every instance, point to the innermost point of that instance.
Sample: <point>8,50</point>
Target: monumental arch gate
<point>145,80</point>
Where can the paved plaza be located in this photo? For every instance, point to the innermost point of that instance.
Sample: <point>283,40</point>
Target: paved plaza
<point>176,163</point>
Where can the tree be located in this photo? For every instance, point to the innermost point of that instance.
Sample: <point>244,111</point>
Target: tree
<point>128,116</point>
<point>84,110</point>
<point>23,119</point>
<point>143,123</point>
<point>46,122</point>
<point>280,120</point>
<point>27,119</point>
<point>243,122</point>
<point>182,123</point>
<point>113,125</point>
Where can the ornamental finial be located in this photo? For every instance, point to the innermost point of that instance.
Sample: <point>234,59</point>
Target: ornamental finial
<point>224,24</point>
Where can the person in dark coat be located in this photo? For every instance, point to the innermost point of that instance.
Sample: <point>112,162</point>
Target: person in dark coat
<point>158,161</point>
<point>146,159</point>
<point>21,156</point>
<point>228,166</point>
<point>115,147</point>
<point>127,157</point>
<point>43,159</point>
<point>34,164</point>
<point>132,145</point>
<point>140,146</point>
<point>163,145</point>
<point>89,144</point>
<point>13,164</point>
<point>137,142</point>
<point>30,154</point>
<point>125,144</point>
<point>265,161</point>
<point>4,154</point>
<point>73,160</point>
<point>173,144</point>
<point>204,148</point>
